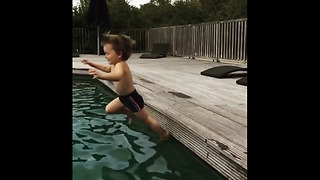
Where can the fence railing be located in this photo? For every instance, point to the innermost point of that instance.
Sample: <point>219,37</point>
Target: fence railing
<point>85,39</point>
<point>219,40</point>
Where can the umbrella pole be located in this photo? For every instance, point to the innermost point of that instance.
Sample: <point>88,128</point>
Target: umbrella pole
<point>98,41</point>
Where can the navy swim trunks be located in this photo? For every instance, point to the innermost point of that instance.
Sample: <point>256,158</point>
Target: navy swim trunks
<point>132,101</point>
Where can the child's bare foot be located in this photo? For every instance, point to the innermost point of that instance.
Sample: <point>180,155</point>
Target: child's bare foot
<point>130,119</point>
<point>129,114</point>
<point>165,136</point>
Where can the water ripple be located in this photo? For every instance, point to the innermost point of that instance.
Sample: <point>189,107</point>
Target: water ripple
<point>101,139</point>
<point>106,148</point>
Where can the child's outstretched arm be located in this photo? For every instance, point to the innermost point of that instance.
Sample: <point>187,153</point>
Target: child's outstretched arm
<point>115,75</point>
<point>101,67</point>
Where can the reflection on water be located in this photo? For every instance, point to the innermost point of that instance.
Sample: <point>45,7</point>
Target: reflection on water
<point>105,147</point>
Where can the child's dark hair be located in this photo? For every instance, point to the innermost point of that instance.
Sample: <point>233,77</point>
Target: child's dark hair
<point>121,44</point>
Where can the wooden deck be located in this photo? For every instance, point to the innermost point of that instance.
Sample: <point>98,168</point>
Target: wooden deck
<point>206,114</point>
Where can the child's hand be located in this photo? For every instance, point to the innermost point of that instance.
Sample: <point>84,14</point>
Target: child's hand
<point>85,61</point>
<point>94,72</point>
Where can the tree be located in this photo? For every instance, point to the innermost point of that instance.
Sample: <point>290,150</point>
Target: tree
<point>218,10</point>
<point>120,14</point>
<point>158,13</point>
<point>234,9</point>
<point>79,13</point>
<point>187,12</point>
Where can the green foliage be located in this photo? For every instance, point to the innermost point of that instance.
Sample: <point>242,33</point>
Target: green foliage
<point>234,9</point>
<point>120,14</point>
<point>158,13</point>
<point>79,13</point>
<point>187,12</point>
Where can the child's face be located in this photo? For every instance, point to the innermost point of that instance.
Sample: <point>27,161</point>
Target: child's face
<point>111,55</point>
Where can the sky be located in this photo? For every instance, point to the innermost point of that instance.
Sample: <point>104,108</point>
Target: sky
<point>135,3</point>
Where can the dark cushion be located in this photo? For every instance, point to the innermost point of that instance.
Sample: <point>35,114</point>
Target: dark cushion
<point>225,71</point>
<point>150,56</point>
<point>242,81</point>
<point>159,50</point>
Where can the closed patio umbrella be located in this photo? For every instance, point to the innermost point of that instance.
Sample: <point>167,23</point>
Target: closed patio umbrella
<point>98,15</point>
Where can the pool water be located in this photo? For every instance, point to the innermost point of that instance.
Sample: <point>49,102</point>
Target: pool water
<point>106,147</point>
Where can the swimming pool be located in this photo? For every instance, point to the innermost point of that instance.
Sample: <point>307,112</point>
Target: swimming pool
<point>105,147</point>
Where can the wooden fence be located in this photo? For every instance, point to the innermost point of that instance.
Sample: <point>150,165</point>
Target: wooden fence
<point>219,40</point>
<point>85,39</point>
<point>222,40</point>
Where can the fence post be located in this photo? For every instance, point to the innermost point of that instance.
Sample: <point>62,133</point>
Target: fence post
<point>98,47</point>
<point>193,42</point>
<point>218,41</point>
<point>173,40</point>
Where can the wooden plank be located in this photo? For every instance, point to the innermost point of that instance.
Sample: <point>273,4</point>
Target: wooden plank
<point>233,136</point>
<point>189,102</point>
<point>234,151</point>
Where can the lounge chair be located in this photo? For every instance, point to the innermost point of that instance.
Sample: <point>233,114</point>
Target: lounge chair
<point>226,71</point>
<point>242,81</point>
<point>159,50</point>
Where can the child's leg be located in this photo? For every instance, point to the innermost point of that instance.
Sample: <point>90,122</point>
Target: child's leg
<point>116,106</point>
<point>155,126</point>
<point>129,113</point>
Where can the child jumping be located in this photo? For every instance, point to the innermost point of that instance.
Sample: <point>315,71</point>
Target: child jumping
<point>117,50</point>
